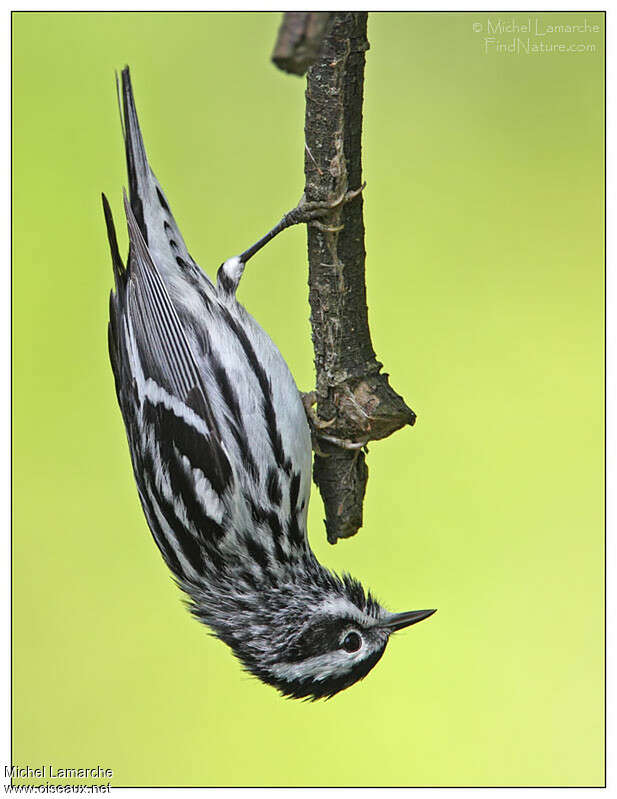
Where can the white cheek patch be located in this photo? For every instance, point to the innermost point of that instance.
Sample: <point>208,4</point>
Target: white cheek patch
<point>320,667</point>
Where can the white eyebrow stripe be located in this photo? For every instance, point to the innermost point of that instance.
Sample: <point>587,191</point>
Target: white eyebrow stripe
<point>342,607</point>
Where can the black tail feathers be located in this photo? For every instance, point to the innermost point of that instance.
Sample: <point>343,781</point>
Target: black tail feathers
<point>136,160</point>
<point>116,259</point>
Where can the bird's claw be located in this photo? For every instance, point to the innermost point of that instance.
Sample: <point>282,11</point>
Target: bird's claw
<point>309,399</point>
<point>326,228</point>
<point>343,443</point>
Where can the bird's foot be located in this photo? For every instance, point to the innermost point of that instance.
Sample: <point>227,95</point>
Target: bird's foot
<point>307,212</point>
<point>309,399</point>
<point>317,425</point>
<point>310,212</point>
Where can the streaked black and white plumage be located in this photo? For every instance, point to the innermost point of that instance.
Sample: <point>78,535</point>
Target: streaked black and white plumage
<point>221,453</point>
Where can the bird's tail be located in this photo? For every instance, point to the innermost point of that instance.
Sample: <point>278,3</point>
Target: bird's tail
<point>136,159</point>
<point>148,202</point>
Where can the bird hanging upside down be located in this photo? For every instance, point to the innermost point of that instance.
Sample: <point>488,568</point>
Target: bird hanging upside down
<point>221,453</point>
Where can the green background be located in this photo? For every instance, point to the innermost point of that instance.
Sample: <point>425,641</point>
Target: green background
<point>484,217</point>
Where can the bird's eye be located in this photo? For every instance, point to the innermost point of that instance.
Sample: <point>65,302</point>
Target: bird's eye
<point>352,642</point>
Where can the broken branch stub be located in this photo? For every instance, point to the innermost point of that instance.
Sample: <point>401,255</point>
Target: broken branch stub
<point>299,40</point>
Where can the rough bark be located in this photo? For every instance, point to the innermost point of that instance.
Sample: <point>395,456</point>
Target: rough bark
<point>353,396</point>
<point>299,40</point>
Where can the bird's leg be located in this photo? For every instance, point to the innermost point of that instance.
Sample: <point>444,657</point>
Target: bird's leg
<point>304,212</point>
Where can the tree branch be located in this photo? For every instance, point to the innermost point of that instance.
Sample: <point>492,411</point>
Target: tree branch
<point>351,390</point>
<point>299,40</point>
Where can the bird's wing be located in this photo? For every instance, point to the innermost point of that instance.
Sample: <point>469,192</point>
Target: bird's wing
<point>214,497</point>
<point>182,469</point>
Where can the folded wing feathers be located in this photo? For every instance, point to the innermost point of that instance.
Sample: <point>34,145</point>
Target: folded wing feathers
<point>211,474</point>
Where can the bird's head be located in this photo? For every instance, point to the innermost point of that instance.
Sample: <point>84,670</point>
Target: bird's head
<point>313,641</point>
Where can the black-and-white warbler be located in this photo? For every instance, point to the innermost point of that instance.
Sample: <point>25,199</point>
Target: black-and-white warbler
<point>221,453</point>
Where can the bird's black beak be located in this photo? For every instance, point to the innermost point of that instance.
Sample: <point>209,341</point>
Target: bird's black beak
<point>398,621</point>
